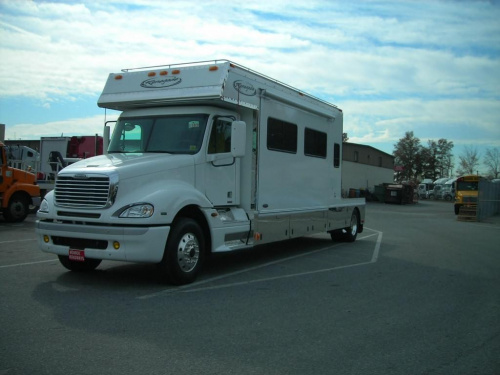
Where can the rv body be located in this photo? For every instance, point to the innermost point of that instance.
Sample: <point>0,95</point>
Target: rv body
<point>204,158</point>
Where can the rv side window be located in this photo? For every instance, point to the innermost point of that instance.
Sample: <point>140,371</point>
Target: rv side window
<point>314,143</point>
<point>281,136</point>
<point>336,155</point>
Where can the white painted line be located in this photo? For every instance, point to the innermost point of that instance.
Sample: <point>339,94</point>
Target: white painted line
<point>274,278</point>
<point>13,241</point>
<point>193,287</point>
<point>28,264</point>
<point>377,248</point>
<point>182,287</point>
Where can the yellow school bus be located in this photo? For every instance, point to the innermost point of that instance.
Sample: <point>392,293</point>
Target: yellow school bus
<point>466,191</point>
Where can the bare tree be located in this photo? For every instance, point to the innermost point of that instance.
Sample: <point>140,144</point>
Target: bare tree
<point>492,161</point>
<point>469,161</point>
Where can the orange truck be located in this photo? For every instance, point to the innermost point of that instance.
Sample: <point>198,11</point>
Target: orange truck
<point>18,190</point>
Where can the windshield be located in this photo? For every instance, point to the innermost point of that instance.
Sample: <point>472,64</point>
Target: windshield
<point>177,134</point>
<point>467,185</point>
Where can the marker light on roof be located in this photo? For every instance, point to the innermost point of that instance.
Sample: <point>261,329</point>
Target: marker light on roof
<point>176,71</point>
<point>151,74</point>
<point>213,68</point>
<point>118,76</point>
<point>163,73</point>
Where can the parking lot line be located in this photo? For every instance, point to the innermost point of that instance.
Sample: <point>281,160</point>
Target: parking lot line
<point>194,287</point>
<point>28,263</point>
<point>13,241</point>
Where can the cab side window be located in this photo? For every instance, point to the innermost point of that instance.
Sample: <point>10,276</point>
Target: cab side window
<point>220,137</point>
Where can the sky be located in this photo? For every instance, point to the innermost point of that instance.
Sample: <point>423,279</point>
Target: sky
<point>431,67</point>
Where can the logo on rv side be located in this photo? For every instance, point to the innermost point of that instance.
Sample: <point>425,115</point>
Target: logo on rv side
<point>244,88</point>
<point>154,83</point>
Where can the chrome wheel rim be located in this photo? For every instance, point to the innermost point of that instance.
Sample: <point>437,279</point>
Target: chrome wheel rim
<point>188,252</point>
<point>354,225</point>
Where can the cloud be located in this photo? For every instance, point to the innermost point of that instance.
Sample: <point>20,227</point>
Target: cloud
<point>392,66</point>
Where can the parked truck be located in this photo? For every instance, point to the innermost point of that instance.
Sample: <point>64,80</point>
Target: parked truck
<point>18,190</point>
<point>22,157</point>
<point>206,157</point>
<point>58,152</point>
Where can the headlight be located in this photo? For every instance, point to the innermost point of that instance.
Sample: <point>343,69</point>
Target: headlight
<point>44,207</point>
<point>139,210</point>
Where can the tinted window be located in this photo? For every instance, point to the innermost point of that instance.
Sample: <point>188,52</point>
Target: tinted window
<point>336,155</point>
<point>314,143</point>
<point>281,136</point>
<point>178,134</point>
<point>220,137</point>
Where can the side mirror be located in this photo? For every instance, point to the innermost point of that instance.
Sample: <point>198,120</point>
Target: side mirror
<point>238,138</point>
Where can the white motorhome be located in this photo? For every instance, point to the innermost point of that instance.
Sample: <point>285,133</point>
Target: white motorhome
<point>204,158</point>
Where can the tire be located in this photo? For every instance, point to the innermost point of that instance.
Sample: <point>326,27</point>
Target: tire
<point>352,229</point>
<point>184,253</point>
<point>17,210</point>
<point>457,209</point>
<point>86,266</point>
<point>350,233</point>
<point>337,235</point>
<point>431,196</point>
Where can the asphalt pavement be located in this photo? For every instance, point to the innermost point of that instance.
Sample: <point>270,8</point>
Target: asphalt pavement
<point>417,293</point>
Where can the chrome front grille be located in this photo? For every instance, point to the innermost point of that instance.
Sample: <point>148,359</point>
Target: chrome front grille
<point>84,191</point>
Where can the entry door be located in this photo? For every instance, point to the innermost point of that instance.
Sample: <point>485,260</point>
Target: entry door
<point>222,169</point>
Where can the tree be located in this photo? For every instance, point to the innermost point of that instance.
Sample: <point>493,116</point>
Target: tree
<point>492,162</point>
<point>445,157</point>
<point>430,163</point>
<point>437,159</point>
<point>408,155</point>
<point>469,161</point>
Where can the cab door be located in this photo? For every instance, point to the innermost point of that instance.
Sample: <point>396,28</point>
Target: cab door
<point>222,174</point>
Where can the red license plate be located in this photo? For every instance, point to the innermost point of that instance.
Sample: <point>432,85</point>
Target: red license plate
<point>77,255</point>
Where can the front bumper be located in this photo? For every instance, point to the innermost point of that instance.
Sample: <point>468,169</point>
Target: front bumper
<point>137,244</point>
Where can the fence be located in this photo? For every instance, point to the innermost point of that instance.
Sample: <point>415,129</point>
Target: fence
<point>488,203</point>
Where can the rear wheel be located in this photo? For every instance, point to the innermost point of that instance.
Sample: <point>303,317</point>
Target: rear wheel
<point>86,266</point>
<point>350,233</point>
<point>17,210</point>
<point>184,253</point>
<point>352,229</point>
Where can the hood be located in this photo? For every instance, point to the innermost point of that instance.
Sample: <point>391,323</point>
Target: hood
<point>128,165</point>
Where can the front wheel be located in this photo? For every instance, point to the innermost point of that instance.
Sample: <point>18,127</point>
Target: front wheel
<point>17,210</point>
<point>184,253</point>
